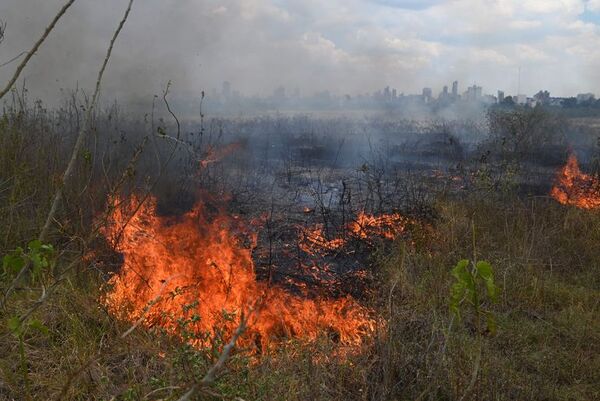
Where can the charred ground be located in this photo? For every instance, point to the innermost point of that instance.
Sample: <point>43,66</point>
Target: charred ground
<point>475,189</point>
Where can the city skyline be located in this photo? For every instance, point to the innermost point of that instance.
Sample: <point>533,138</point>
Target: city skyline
<point>348,46</point>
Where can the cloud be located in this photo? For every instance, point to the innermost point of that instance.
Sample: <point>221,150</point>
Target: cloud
<point>593,5</point>
<point>347,46</point>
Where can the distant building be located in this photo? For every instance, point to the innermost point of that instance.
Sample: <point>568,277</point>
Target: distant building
<point>427,94</point>
<point>226,91</point>
<point>488,99</point>
<point>500,96</point>
<point>444,95</point>
<point>455,89</point>
<point>473,93</point>
<point>387,94</point>
<point>584,97</point>
<point>520,99</point>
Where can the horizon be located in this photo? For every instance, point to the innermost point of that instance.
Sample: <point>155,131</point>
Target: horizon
<point>350,47</point>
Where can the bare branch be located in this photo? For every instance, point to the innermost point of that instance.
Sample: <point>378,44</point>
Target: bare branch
<point>69,171</point>
<point>35,47</point>
<point>83,132</point>
<point>211,375</point>
<point>12,59</point>
<point>2,30</point>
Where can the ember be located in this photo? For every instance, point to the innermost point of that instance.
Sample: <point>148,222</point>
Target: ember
<point>576,188</point>
<point>195,268</point>
<point>365,227</point>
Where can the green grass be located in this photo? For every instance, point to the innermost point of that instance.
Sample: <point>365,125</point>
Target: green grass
<point>547,347</point>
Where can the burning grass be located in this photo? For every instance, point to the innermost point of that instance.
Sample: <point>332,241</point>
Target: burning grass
<point>573,187</point>
<point>196,268</point>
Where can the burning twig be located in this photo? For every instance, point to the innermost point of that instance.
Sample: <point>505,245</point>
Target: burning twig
<point>148,307</point>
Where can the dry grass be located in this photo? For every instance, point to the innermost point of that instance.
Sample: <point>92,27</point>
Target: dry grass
<point>546,259</point>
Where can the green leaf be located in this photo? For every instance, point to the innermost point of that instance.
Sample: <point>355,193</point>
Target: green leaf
<point>12,263</point>
<point>14,325</point>
<point>35,245</point>
<point>485,270</point>
<point>39,326</point>
<point>487,274</point>
<point>48,248</point>
<point>460,269</point>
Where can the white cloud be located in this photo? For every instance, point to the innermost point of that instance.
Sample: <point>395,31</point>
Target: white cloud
<point>355,45</point>
<point>593,5</point>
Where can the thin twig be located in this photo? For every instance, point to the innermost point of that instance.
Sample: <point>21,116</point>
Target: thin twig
<point>76,149</point>
<point>211,375</point>
<point>12,59</point>
<point>35,48</point>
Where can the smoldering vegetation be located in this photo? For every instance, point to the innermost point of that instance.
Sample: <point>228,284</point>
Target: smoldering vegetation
<point>475,186</point>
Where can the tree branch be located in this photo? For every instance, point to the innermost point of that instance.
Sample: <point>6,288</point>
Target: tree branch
<point>69,171</point>
<point>35,47</point>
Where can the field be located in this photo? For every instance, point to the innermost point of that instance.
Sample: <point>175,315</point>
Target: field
<point>294,195</point>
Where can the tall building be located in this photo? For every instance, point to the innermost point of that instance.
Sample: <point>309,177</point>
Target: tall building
<point>444,95</point>
<point>500,96</point>
<point>427,94</point>
<point>455,89</point>
<point>387,94</point>
<point>473,93</point>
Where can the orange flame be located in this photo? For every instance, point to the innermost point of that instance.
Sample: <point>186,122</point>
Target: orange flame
<point>192,277</point>
<point>366,226</point>
<point>214,155</point>
<point>573,187</point>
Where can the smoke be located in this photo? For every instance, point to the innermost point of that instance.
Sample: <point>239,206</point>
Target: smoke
<point>353,46</point>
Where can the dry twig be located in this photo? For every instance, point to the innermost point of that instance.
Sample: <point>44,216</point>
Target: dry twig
<point>35,47</point>
<point>69,171</point>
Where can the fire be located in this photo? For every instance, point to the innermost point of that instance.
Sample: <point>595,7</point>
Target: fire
<point>214,155</point>
<point>387,225</point>
<point>573,187</point>
<point>364,227</point>
<point>193,276</point>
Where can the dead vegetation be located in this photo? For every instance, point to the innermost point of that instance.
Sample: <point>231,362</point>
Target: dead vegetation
<point>60,169</point>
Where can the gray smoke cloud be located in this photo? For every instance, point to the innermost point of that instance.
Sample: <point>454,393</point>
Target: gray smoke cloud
<point>350,46</point>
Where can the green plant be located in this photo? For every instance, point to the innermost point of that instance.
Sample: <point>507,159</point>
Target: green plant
<point>41,257</point>
<point>466,293</point>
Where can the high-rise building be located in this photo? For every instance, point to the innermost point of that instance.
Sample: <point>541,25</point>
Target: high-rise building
<point>473,93</point>
<point>387,94</point>
<point>427,94</point>
<point>500,96</point>
<point>455,89</point>
<point>444,94</point>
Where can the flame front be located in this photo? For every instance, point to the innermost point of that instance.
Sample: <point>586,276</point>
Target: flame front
<point>366,226</point>
<point>192,277</point>
<point>573,187</point>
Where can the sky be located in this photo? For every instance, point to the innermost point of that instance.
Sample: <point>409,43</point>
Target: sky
<point>344,46</point>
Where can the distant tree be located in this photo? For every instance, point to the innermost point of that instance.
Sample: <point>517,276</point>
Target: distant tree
<point>518,134</point>
<point>508,101</point>
<point>569,102</point>
<point>542,97</point>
